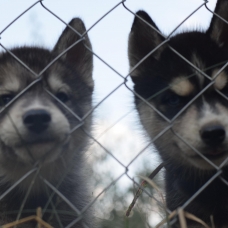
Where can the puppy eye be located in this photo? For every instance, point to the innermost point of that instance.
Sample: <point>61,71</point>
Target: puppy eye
<point>62,96</point>
<point>6,98</point>
<point>171,99</point>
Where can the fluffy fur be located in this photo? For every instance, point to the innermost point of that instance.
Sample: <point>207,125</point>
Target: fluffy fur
<point>37,131</point>
<point>196,145</point>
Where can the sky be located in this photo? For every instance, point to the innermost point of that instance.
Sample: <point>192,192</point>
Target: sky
<point>115,117</point>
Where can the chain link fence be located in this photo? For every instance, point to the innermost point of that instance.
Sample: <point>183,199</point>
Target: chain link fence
<point>110,145</point>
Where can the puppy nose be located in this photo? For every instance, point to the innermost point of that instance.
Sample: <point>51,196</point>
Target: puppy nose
<point>213,135</point>
<point>37,120</point>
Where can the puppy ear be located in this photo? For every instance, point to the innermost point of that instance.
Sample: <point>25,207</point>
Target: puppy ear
<point>218,29</point>
<point>79,57</point>
<point>142,40</point>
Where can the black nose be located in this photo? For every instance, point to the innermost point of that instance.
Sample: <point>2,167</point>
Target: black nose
<point>37,120</point>
<point>213,135</point>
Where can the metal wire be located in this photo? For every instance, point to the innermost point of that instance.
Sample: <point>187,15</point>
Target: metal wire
<point>81,120</point>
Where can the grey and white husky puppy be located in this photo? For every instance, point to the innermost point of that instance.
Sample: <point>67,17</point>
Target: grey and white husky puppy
<point>195,146</point>
<point>38,131</point>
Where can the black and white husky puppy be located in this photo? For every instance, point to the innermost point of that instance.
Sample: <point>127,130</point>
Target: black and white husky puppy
<point>195,147</point>
<point>38,131</point>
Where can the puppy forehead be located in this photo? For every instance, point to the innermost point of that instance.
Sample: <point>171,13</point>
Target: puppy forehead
<point>198,62</point>
<point>220,77</point>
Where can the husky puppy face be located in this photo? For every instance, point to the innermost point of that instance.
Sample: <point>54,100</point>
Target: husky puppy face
<point>182,86</point>
<point>43,124</point>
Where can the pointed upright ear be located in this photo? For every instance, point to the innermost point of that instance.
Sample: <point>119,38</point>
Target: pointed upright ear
<point>79,57</point>
<point>142,40</point>
<point>218,29</point>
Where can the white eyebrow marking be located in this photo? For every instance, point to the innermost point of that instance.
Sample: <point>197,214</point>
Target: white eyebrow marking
<point>57,84</point>
<point>221,79</point>
<point>199,64</point>
<point>9,85</point>
<point>182,86</point>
